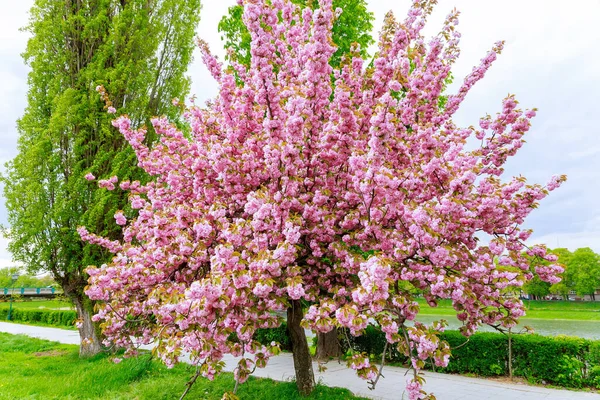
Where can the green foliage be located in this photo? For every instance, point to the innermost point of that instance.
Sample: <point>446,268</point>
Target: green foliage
<point>6,276</point>
<point>485,354</point>
<point>236,35</point>
<point>279,335</point>
<point>24,280</point>
<point>33,368</point>
<point>536,287</point>
<point>585,267</point>
<point>582,272</point>
<point>139,51</point>
<point>550,359</point>
<point>39,304</point>
<point>563,361</point>
<point>364,254</point>
<point>566,284</point>
<point>372,343</point>
<point>593,356</point>
<point>25,344</point>
<point>353,26</point>
<point>60,318</point>
<point>594,376</point>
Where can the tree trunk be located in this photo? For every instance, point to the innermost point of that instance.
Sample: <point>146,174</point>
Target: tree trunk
<point>328,345</point>
<point>88,332</point>
<point>510,356</point>
<point>305,379</point>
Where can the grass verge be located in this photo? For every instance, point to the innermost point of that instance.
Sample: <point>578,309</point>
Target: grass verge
<point>36,304</point>
<point>39,369</point>
<point>550,310</point>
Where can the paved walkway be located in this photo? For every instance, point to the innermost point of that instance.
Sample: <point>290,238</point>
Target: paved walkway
<point>444,386</point>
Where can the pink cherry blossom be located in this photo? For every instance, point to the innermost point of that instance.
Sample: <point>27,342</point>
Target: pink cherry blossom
<point>120,218</point>
<point>351,190</point>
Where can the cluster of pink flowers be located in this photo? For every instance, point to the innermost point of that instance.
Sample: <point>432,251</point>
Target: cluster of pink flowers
<point>350,189</point>
<point>108,184</point>
<point>362,365</point>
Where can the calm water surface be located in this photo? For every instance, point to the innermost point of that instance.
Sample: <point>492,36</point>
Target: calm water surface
<point>584,329</point>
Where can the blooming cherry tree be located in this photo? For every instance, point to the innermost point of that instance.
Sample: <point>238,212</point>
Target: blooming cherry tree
<point>333,195</point>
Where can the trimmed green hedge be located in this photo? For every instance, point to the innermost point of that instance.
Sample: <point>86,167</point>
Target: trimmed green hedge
<point>279,335</point>
<point>49,317</point>
<point>564,361</point>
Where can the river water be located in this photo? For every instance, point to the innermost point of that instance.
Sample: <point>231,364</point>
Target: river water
<point>584,329</point>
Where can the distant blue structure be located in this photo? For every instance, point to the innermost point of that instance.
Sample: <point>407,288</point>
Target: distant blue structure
<point>29,292</point>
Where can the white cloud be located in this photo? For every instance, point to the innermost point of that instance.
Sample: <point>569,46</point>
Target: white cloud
<point>5,257</point>
<point>584,153</point>
<point>571,241</point>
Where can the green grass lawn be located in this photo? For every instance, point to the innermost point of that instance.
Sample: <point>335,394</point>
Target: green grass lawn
<point>39,369</point>
<point>40,304</point>
<point>552,310</point>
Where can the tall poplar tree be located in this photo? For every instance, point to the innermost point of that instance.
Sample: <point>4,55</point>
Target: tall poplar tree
<point>139,51</point>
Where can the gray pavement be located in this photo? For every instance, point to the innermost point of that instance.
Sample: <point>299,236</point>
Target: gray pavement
<point>444,386</point>
<point>55,334</point>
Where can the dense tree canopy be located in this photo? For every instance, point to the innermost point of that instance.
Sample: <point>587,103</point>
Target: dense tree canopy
<point>351,195</point>
<point>353,26</point>
<point>585,267</point>
<point>138,51</point>
<point>537,288</point>
<point>581,274</point>
<point>23,280</point>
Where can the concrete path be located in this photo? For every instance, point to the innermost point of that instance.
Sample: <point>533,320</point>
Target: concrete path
<point>444,386</point>
<point>58,335</point>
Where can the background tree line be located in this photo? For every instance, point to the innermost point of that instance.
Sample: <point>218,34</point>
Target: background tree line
<point>24,280</point>
<point>581,275</point>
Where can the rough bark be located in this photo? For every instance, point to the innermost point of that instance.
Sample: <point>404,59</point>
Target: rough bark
<point>510,355</point>
<point>305,378</point>
<point>91,343</point>
<point>328,345</point>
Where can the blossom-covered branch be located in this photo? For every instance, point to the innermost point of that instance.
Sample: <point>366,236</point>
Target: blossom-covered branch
<point>350,189</point>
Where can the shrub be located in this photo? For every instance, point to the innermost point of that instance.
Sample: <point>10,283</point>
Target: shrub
<point>484,354</point>
<point>560,360</point>
<point>279,335</point>
<point>48,317</point>
<point>564,361</point>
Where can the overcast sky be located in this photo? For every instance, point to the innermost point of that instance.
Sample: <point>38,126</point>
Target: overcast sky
<point>550,61</point>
